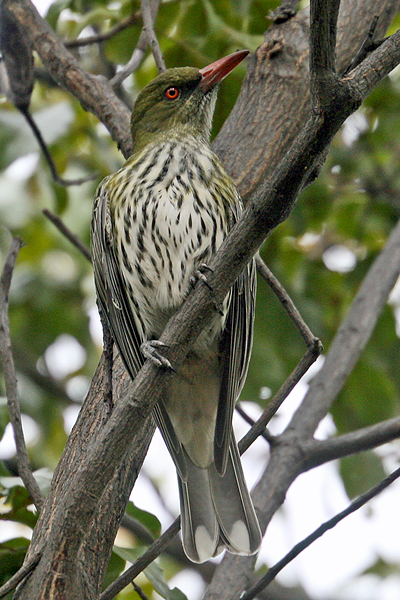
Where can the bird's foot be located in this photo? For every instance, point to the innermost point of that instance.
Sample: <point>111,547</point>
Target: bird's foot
<point>150,350</point>
<point>199,275</point>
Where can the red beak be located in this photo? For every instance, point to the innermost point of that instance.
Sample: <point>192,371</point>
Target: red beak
<point>218,70</point>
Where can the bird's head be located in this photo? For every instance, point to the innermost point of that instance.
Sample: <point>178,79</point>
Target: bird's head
<point>180,100</point>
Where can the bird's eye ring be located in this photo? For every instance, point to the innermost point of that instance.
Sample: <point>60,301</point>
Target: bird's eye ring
<point>172,93</point>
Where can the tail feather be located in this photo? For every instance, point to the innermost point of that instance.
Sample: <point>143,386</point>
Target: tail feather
<point>239,528</point>
<point>200,530</point>
<point>217,511</point>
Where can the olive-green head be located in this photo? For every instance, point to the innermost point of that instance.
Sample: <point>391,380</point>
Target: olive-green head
<point>180,102</point>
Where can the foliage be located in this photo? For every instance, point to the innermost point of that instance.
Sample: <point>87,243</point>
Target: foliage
<point>352,206</point>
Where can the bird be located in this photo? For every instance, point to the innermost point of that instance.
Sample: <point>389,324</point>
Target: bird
<point>157,222</point>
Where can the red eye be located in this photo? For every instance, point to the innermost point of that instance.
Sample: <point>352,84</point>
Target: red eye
<point>172,93</point>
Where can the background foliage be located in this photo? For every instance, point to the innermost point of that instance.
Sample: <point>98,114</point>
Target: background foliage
<point>346,215</point>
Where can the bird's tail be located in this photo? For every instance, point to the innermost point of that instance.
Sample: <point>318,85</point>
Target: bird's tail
<point>217,511</point>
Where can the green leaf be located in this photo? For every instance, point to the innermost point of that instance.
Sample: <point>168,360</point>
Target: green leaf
<point>114,569</point>
<point>153,573</point>
<point>18,499</point>
<point>4,417</point>
<point>147,519</point>
<point>12,554</point>
<point>360,472</point>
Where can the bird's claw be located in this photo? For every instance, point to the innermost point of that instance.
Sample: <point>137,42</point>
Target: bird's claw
<point>199,275</point>
<point>150,350</point>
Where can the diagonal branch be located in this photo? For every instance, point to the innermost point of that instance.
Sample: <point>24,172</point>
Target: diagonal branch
<point>298,548</point>
<point>67,233</point>
<point>142,562</point>
<point>20,575</point>
<point>129,414</point>
<point>350,339</point>
<point>102,37</point>
<point>269,206</point>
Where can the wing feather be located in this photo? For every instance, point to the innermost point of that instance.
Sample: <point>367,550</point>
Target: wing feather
<point>236,347</point>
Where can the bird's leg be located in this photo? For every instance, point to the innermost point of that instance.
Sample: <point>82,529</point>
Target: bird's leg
<point>199,275</point>
<point>150,350</point>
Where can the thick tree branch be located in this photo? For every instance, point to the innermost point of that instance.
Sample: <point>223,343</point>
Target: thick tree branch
<point>350,339</point>
<point>129,415</point>
<point>288,456</point>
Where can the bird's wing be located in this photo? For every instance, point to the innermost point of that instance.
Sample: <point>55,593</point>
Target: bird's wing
<point>115,306</point>
<point>236,347</point>
<point>111,289</point>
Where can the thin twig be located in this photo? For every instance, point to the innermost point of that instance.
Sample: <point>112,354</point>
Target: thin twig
<point>24,468</point>
<point>142,562</point>
<point>49,158</point>
<point>68,233</point>
<point>138,53</point>
<point>102,37</point>
<point>139,591</point>
<point>288,305</point>
<point>298,548</point>
<point>259,426</point>
<point>134,62</point>
<point>368,45</point>
<point>148,27</point>
<point>265,434</point>
<point>20,575</point>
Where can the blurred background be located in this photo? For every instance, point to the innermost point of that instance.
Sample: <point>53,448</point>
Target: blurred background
<point>320,254</point>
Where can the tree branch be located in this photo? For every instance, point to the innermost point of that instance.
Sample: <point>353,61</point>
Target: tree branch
<point>142,562</point>
<point>67,233</point>
<point>103,37</point>
<point>330,524</point>
<point>74,510</point>
<point>151,9</point>
<point>288,305</point>
<point>317,452</point>
<point>20,575</point>
<point>24,468</point>
<point>148,27</point>
<point>95,94</point>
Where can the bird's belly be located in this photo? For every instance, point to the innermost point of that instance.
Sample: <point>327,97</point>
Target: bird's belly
<point>168,241</point>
